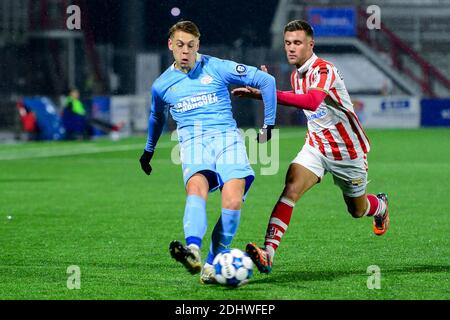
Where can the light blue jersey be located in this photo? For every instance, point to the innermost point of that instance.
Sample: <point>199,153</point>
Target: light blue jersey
<point>210,143</point>
<point>201,97</point>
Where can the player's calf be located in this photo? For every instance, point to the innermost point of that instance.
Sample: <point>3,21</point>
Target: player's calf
<point>357,207</point>
<point>356,213</point>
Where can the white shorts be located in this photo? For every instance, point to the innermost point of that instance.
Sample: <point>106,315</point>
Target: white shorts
<point>349,175</point>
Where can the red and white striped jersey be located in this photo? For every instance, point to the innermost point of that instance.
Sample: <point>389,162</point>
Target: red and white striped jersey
<point>334,128</point>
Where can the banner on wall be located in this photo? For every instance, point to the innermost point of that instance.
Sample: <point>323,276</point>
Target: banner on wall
<point>47,117</point>
<point>101,111</point>
<point>131,112</point>
<point>387,112</point>
<point>140,112</point>
<point>333,22</point>
<point>435,112</point>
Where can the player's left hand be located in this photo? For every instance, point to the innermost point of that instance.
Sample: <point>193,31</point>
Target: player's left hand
<point>265,133</point>
<point>145,162</point>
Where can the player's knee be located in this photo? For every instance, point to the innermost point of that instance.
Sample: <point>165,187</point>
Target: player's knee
<point>292,191</point>
<point>193,189</point>
<point>232,203</point>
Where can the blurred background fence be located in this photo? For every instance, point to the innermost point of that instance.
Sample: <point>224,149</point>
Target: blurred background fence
<point>397,73</point>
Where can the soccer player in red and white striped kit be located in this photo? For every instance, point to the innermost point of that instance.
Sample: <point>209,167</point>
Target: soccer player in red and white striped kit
<point>335,142</point>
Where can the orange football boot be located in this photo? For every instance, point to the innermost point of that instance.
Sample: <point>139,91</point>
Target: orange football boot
<point>381,223</point>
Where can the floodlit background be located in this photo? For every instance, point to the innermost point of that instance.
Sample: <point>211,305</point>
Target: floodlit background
<point>392,54</point>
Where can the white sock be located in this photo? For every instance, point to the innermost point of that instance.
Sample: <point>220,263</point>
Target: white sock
<point>381,208</point>
<point>194,246</point>
<point>368,208</point>
<point>271,251</point>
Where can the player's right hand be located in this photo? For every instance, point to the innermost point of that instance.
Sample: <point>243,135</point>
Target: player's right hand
<point>145,162</point>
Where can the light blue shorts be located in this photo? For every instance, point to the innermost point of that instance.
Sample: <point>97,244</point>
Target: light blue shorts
<point>219,156</point>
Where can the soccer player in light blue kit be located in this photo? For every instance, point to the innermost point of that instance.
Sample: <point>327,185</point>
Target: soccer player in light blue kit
<point>213,154</point>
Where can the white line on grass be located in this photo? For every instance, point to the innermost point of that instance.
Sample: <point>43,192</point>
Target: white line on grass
<point>73,150</point>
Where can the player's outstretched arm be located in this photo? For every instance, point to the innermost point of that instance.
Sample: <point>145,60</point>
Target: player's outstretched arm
<point>267,86</point>
<point>156,122</point>
<point>247,92</point>
<point>251,77</point>
<point>310,101</point>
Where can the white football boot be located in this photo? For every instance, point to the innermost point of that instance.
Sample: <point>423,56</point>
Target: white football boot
<point>207,276</point>
<point>188,256</point>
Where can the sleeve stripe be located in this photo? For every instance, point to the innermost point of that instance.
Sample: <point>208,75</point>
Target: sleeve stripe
<point>327,78</point>
<point>323,81</point>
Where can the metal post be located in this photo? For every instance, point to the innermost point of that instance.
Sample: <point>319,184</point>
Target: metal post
<point>417,42</point>
<point>71,62</point>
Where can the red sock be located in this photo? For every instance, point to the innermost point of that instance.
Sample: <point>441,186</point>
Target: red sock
<point>374,205</point>
<point>278,223</point>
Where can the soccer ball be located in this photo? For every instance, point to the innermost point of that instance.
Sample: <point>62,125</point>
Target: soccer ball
<point>233,267</point>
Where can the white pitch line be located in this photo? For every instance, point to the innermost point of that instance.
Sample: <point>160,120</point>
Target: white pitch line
<point>74,151</point>
<point>60,151</point>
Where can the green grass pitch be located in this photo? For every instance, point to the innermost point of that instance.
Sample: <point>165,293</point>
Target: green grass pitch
<point>89,204</point>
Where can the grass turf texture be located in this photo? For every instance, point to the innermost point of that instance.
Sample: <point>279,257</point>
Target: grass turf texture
<point>100,212</point>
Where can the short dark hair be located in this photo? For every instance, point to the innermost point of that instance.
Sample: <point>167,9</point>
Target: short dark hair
<point>297,25</point>
<point>186,26</point>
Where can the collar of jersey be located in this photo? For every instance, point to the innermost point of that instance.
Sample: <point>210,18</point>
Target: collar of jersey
<point>307,64</point>
<point>198,59</point>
